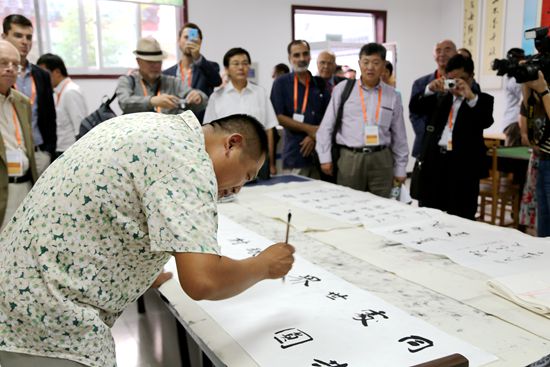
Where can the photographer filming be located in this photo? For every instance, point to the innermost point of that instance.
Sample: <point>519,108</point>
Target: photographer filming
<point>536,108</point>
<point>512,92</point>
<point>451,161</point>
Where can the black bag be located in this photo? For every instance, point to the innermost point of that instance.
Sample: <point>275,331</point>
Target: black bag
<point>335,151</point>
<point>415,180</point>
<point>103,113</point>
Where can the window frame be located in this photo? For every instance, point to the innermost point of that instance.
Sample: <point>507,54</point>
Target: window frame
<point>42,34</point>
<point>379,18</point>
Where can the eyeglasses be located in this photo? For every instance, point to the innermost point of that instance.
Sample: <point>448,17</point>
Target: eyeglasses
<point>4,65</point>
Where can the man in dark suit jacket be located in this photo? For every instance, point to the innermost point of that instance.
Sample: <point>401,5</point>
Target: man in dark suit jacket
<point>194,69</point>
<point>443,51</point>
<point>452,155</point>
<point>34,83</point>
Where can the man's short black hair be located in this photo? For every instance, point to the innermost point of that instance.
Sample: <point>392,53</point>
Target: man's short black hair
<point>466,51</point>
<point>373,48</point>
<point>255,137</point>
<point>515,53</point>
<point>297,42</point>
<point>389,67</point>
<point>18,19</point>
<point>460,62</point>
<point>52,62</point>
<point>192,26</point>
<point>282,69</point>
<point>235,51</point>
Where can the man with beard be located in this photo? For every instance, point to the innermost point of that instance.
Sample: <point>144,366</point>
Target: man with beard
<point>300,101</point>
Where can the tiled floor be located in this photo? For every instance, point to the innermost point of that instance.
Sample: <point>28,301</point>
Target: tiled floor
<point>147,340</point>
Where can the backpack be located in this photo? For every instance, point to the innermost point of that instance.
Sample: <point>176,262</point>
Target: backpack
<point>103,113</point>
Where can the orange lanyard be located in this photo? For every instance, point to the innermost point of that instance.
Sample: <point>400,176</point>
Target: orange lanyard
<point>306,95</point>
<point>189,75</point>
<point>450,122</point>
<point>145,92</point>
<point>437,74</point>
<point>364,106</point>
<point>16,126</point>
<point>61,92</point>
<point>33,90</point>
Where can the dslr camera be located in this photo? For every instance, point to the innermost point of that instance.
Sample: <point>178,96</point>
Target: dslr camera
<point>528,70</point>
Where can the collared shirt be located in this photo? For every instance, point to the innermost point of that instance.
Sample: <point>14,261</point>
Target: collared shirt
<point>130,193</point>
<point>70,108</point>
<point>251,100</point>
<point>282,97</point>
<point>133,99</point>
<point>25,85</point>
<point>9,123</point>
<point>512,92</point>
<point>391,126</point>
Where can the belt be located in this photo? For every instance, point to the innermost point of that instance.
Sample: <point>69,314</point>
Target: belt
<point>25,178</point>
<point>371,149</point>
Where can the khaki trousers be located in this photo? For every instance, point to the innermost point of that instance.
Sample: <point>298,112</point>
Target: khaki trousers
<point>372,172</point>
<point>16,194</point>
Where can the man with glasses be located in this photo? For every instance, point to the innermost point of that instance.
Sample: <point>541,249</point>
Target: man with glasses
<point>34,83</point>
<point>17,165</point>
<point>240,96</point>
<point>149,90</point>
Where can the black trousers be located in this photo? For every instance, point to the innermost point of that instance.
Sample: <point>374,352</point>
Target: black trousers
<point>451,187</point>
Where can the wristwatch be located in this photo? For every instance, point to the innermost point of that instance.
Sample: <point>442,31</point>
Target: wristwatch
<point>546,91</point>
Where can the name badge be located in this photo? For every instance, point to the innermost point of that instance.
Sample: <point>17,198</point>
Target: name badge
<point>298,117</point>
<point>15,163</point>
<point>450,144</point>
<point>371,135</point>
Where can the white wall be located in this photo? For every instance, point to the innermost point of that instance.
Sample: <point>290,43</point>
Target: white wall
<point>263,27</point>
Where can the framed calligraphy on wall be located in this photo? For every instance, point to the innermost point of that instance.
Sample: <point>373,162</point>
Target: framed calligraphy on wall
<point>494,16</point>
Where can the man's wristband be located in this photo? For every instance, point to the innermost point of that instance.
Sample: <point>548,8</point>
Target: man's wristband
<point>546,91</point>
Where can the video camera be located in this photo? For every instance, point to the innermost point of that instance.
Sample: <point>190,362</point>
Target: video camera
<point>528,70</point>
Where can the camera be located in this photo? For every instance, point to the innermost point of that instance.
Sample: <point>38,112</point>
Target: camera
<point>450,84</point>
<point>528,70</point>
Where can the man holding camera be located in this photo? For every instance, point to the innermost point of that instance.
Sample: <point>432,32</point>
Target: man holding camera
<point>149,90</point>
<point>452,152</point>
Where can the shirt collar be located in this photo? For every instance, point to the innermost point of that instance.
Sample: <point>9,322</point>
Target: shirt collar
<point>8,98</point>
<point>376,87</point>
<point>231,88</point>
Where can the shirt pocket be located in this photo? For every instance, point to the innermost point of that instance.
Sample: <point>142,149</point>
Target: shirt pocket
<point>386,115</point>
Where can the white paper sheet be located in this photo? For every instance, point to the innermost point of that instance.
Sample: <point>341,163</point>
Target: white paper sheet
<point>494,251</point>
<point>315,317</point>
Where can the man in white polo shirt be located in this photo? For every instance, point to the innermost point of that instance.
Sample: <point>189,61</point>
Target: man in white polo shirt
<point>70,106</point>
<point>241,96</point>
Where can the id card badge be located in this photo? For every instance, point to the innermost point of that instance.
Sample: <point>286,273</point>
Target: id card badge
<point>371,135</point>
<point>298,117</point>
<point>450,144</point>
<point>15,163</point>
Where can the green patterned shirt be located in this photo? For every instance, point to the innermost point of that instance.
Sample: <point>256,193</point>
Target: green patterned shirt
<point>96,230</point>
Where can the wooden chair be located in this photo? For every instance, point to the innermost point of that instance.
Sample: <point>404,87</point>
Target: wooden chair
<point>500,193</point>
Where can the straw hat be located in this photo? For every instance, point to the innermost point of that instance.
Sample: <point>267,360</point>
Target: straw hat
<point>148,49</point>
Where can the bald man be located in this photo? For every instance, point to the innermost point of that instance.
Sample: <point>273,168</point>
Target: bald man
<point>443,51</point>
<point>17,163</point>
<point>326,68</point>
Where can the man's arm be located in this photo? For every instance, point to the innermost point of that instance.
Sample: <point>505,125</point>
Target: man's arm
<point>76,109</point>
<point>129,102</point>
<point>214,277</point>
<point>399,146</point>
<point>540,86</point>
<point>326,129</point>
<point>417,119</point>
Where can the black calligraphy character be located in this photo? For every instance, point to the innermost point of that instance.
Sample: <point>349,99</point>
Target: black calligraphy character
<point>417,343</point>
<point>253,251</point>
<point>367,315</point>
<point>238,241</point>
<point>334,295</point>
<point>331,363</point>
<point>291,337</point>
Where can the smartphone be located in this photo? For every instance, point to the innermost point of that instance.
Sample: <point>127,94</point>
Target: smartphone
<point>192,35</point>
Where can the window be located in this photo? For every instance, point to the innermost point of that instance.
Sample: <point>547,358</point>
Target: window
<point>99,36</point>
<point>340,30</point>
